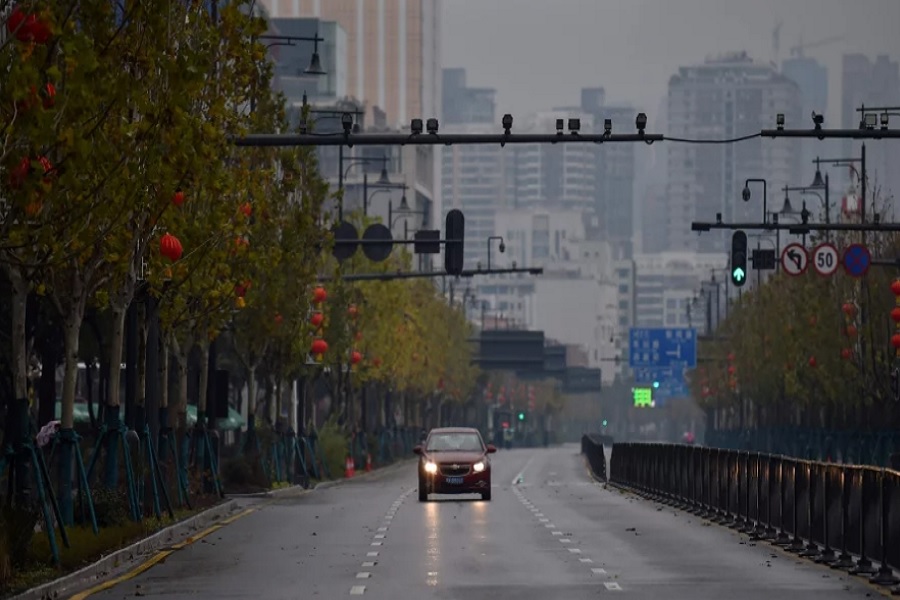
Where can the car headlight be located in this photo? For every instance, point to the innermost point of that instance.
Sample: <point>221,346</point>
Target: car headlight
<point>478,467</point>
<point>430,467</point>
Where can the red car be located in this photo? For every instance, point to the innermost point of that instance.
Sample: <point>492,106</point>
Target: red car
<point>454,460</point>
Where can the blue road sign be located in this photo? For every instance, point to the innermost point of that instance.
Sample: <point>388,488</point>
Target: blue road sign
<point>667,383</point>
<point>662,348</point>
<point>857,260</point>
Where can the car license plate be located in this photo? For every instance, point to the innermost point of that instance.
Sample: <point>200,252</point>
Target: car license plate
<point>454,480</point>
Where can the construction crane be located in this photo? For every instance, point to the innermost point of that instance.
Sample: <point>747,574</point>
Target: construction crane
<point>797,51</point>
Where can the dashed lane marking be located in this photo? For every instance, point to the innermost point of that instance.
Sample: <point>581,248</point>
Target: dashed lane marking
<point>575,550</point>
<point>612,586</point>
<point>565,541</point>
<point>371,554</point>
<point>376,543</point>
<point>357,590</point>
<point>598,571</point>
<point>556,532</point>
<point>363,575</point>
<point>379,536</point>
<point>585,560</point>
<point>369,564</point>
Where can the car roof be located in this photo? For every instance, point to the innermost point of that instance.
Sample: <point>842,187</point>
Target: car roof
<point>454,430</point>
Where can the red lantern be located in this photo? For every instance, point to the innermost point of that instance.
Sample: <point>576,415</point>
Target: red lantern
<point>895,314</point>
<point>240,290</point>
<point>895,341</point>
<point>246,209</point>
<point>316,319</point>
<point>895,287</point>
<point>353,311</point>
<point>731,369</point>
<point>49,93</point>
<point>849,309</point>
<point>319,295</point>
<point>846,353</point>
<point>812,361</point>
<point>241,243</point>
<point>170,247</point>
<point>355,357</point>
<point>278,319</point>
<point>319,346</point>
<point>852,331</point>
<point>178,198</point>
<point>27,28</point>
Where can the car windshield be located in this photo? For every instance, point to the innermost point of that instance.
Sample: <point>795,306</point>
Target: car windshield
<point>454,442</point>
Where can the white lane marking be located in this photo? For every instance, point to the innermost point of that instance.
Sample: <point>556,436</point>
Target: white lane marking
<point>575,550</point>
<point>598,571</point>
<point>520,476</point>
<point>382,529</point>
<point>371,554</point>
<point>369,564</point>
<point>376,543</point>
<point>363,575</point>
<point>612,586</point>
<point>565,541</point>
<point>379,536</point>
<point>389,518</point>
<point>357,590</point>
<point>539,515</point>
<point>557,532</point>
<point>544,520</point>
<point>585,560</point>
<point>550,526</point>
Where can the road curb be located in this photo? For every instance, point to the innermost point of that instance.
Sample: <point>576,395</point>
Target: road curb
<point>127,558</point>
<point>324,485</point>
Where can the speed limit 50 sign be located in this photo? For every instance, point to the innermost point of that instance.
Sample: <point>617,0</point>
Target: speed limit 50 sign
<point>825,259</point>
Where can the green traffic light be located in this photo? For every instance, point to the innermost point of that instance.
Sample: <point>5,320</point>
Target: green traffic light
<point>521,416</point>
<point>605,422</point>
<point>656,385</point>
<point>738,274</point>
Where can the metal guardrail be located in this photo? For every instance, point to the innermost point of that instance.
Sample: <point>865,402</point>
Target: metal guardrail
<point>592,448</point>
<point>839,515</point>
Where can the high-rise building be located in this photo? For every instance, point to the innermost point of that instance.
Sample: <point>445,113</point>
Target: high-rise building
<point>558,176</point>
<point>393,49</point>
<point>477,180</point>
<point>615,174</point>
<point>726,98</point>
<point>812,79</point>
<point>462,104</point>
<point>874,84</point>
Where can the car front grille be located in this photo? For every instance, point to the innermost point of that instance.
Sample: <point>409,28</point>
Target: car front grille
<point>455,470</point>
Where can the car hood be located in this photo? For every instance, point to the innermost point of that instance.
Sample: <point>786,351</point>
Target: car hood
<point>455,457</point>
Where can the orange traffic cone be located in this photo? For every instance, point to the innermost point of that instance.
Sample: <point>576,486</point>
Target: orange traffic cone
<point>348,468</point>
<point>368,462</point>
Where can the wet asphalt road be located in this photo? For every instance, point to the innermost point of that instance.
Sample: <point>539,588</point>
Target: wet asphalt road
<point>555,535</point>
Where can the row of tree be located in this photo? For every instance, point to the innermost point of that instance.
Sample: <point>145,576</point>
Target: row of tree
<point>119,182</point>
<point>808,351</point>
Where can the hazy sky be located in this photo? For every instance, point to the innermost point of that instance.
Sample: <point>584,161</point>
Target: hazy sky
<point>540,53</point>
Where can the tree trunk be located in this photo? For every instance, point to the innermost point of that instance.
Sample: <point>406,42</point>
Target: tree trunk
<point>17,428</point>
<point>72,330</point>
<point>251,408</point>
<point>113,397</point>
<point>165,426</point>
<point>204,381</point>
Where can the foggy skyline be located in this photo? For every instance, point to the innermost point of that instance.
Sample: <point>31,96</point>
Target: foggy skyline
<point>525,48</point>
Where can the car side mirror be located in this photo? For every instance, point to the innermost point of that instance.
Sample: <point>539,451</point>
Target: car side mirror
<point>491,448</point>
<point>418,450</point>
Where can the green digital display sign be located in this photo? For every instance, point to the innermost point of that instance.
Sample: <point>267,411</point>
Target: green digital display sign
<point>643,397</point>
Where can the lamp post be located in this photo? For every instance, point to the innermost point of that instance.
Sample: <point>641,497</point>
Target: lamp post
<point>383,179</point>
<point>502,248</point>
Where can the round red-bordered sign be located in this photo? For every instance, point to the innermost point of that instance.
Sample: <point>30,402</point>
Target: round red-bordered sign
<point>794,259</point>
<point>857,260</point>
<point>826,259</point>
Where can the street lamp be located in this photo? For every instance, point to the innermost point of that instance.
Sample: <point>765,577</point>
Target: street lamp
<point>383,179</point>
<point>315,62</point>
<point>502,248</point>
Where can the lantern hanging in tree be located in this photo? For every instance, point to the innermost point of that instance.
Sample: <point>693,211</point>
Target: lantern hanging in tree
<point>812,362</point>
<point>317,319</point>
<point>849,309</point>
<point>178,197</point>
<point>355,357</point>
<point>846,353</point>
<point>353,311</point>
<point>895,341</point>
<point>170,247</point>
<point>246,209</point>
<point>319,346</point>
<point>319,295</point>
<point>27,27</point>
<point>278,319</point>
<point>852,331</point>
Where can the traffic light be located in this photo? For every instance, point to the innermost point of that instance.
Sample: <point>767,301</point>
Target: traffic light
<point>739,258</point>
<point>454,236</point>
<point>521,416</point>
<point>605,422</point>
<point>655,385</point>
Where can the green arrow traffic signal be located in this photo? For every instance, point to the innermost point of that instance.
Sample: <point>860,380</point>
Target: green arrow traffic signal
<point>521,416</point>
<point>738,274</point>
